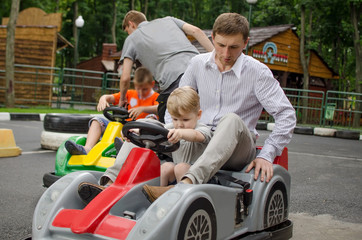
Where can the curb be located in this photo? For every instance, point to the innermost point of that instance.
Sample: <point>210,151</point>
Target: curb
<point>317,131</point>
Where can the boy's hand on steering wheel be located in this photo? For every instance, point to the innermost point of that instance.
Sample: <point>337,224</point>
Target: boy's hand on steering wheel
<point>135,112</point>
<point>263,166</point>
<point>174,135</point>
<point>102,104</point>
<point>134,130</point>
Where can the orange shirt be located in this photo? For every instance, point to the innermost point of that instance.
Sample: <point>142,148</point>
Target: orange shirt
<point>134,101</point>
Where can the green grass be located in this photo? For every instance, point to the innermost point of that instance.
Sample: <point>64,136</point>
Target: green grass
<point>47,110</point>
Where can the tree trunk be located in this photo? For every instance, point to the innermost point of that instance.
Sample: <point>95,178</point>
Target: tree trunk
<point>356,9</point>
<point>10,58</point>
<point>146,7</point>
<point>114,22</point>
<point>304,63</point>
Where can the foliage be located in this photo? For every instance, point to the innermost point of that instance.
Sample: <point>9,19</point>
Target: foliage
<point>331,35</point>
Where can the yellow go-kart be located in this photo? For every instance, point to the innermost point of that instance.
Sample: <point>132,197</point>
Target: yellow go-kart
<point>99,158</point>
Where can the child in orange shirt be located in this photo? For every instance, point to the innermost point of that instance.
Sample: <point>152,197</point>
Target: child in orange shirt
<point>141,103</point>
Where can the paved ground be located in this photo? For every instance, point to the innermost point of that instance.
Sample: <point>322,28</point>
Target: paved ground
<point>325,193</point>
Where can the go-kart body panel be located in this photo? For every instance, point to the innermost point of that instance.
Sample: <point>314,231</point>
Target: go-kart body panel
<point>123,212</point>
<point>99,158</point>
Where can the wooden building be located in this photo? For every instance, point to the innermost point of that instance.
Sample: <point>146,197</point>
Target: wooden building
<point>94,81</point>
<point>37,39</point>
<point>278,48</point>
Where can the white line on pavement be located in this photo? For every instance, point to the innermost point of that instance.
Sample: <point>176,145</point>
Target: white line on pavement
<point>35,152</point>
<point>319,155</point>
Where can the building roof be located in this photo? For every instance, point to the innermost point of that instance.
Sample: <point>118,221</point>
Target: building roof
<point>260,34</point>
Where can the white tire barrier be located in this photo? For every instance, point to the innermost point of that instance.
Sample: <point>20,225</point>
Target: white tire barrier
<point>52,140</point>
<point>325,132</point>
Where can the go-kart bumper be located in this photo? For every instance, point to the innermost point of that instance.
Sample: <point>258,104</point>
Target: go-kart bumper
<point>281,231</point>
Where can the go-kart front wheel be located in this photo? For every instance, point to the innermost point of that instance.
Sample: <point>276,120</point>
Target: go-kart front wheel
<point>49,179</point>
<point>275,211</point>
<point>199,221</point>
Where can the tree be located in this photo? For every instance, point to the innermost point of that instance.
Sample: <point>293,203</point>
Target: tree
<point>114,22</point>
<point>10,58</point>
<point>356,10</point>
<point>304,58</point>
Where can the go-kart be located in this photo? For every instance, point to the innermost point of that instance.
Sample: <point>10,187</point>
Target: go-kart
<point>237,207</point>
<point>99,158</point>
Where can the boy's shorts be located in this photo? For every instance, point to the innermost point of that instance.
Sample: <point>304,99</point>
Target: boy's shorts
<point>102,121</point>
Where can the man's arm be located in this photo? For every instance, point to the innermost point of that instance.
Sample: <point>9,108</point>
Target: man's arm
<point>199,35</point>
<point>125,80</point>
<point>274,101</point>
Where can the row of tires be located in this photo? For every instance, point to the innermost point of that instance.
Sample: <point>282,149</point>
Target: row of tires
<point>78,123</point>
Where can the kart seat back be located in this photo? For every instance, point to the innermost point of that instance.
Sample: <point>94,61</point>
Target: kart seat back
<point>141,165</point>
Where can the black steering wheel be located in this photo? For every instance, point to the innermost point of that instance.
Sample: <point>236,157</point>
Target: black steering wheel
<point>150,136</point>
<point>119,114</point>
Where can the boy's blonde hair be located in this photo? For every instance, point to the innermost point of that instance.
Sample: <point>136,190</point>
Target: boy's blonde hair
<point>142,75</point>
<point>133,16</point>
<point>183,99</point>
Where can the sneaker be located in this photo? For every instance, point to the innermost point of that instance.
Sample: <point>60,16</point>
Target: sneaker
<point>118,143</point>
<point>74,149</point>
<point>88,191</point>
<point>154,192</point>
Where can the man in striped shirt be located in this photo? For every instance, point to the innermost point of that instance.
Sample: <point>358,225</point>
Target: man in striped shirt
<point>234,88</point>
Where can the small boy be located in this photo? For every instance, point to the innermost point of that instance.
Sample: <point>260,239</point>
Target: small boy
<point>184,108</point>
<point>142,102</point>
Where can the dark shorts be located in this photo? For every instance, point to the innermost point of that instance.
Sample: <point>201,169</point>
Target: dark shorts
<point>162,99</point>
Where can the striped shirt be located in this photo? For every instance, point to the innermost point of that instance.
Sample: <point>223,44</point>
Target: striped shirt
<point>245,89</point>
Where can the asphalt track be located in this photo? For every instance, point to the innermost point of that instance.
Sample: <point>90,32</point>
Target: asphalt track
<point>325,195</point>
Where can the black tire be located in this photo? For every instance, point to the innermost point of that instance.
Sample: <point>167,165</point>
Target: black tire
<point>66,123</point>
<point>49,179</point>
<point>304,130</point>
<point>348,134</point>
<point>261,126</point>
<point>199,221</point>
<point>276,207</point>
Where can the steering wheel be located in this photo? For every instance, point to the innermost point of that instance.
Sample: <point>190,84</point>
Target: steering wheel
<point>150,136</point>
<point>119,114</point>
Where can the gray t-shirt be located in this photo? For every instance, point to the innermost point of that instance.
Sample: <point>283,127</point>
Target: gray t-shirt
<point>162,47</point>
<point>189,152</point>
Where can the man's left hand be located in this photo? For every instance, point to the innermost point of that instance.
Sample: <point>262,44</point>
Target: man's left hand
<point>263,166</point>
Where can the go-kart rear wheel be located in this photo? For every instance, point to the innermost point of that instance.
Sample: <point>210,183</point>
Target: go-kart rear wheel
<point>199,221</point>
<point>276,210</point>
<point>49,179</point>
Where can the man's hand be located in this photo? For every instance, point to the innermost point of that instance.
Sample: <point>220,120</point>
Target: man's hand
<point>123,103</point>
<point>263,166</point>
